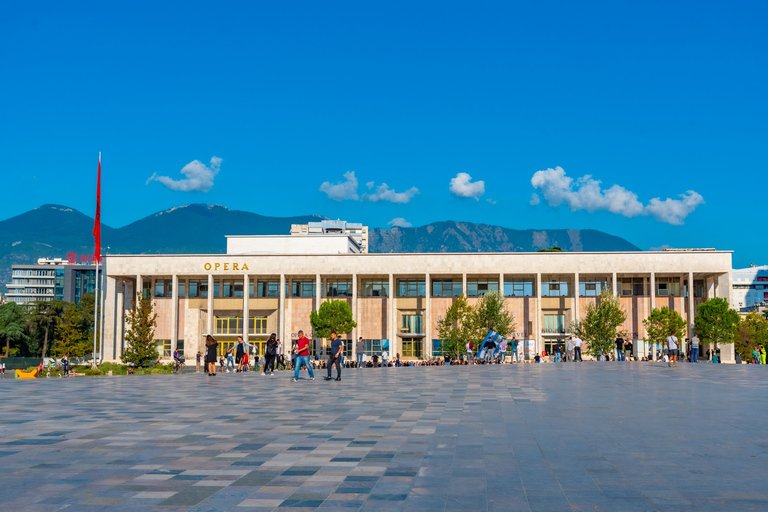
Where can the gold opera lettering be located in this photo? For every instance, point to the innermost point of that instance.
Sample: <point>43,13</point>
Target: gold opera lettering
<point>225,266</point>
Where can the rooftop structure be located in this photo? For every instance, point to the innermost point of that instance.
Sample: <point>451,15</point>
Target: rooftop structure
<point>356,230</point>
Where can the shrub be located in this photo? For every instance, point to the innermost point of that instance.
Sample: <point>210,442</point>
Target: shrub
<point>117,369</point>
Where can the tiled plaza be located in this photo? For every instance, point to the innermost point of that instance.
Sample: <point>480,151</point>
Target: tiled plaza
<point>544,437</point>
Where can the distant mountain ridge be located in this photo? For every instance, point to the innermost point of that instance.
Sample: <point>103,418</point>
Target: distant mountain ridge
<point>52,231</point>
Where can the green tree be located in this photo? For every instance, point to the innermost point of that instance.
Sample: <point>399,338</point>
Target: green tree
<point>12,320</point>
<point>490,313</point>
<point>554,248</point>
<point>86,317</point>
<point>753,331</point>
<point>456,327</point>
<point>71,339</point>
<point>662,323</point>
<point>716,322</point>
<point>43,318</point>
<point>600,324</point>
<point>141,348</point>
<point>333,316</point>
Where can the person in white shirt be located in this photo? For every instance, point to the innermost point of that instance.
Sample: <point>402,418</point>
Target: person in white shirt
<point>384,358</point>
<point>695,348</point>
<point>576,348</point>
<point>569,350</point>
<point>672,349</point>
<point>469,351</point>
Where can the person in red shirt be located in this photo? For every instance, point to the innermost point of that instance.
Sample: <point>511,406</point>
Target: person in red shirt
<point>302,357</point>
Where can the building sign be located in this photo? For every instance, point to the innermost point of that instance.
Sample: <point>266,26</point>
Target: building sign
<point>73,257</point>
<point>225,266</point>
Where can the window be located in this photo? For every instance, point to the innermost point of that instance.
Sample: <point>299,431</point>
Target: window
<point>164,348</point>
<point>338,288</point>
<point>257,325</point>
<point>302,289</point>
<point>698,288</point>
<point>373,347</point>
<point>225,345</point>
<point>411,288</point>
<point>163,288</point>
<point>412,324</point>
<point>437,348</point>
<point>216,288</point>
<point>375,287</point>
<point>229,325</point>
<point>146,289</point>
<point>198,288</point>
<point>592,287</point>
<point>412,347</point>
<point>269,288</point>
<point>555,288</point>
<point>554,324</point>
<point>631,286</point>
<point>180,346</point>
<point>479,287</point>
<point>59,284</point>
<point>182,287</point>
<point>231,288</point>
<point>668,286</point>
<point>518,287</point>
<point>446,287</point>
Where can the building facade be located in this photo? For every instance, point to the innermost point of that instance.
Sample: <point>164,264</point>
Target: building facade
<point>397,299</point>
<point>51,279</point>
<point>355,230</point>
<point>750,288</point>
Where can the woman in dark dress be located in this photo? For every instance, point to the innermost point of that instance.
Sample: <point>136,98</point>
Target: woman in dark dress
<point>269,355</point>
<point>210,354</point>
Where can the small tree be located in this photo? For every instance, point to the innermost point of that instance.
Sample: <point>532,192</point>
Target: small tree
<point>490,314</point>
<point>554,248</point>
<point>71,339</point>
<point>12,319</point>
<point>333,316</point>
<point>662,323</point>
<point>716,322</point>
<point>456,327</point>
<point>141,348</point>
<point>600,324</point>
<point>753,331</point>
<point>45,316</point>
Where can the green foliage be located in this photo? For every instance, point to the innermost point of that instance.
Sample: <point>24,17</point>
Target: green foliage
<point>456,327</point>
<point>333,316</point>
<point>600,324</point>
<point>141,348</point>
<point>43,318</point>
<point>554,248</point>
<point>753,331</point>
<point>117,369</point>
<point>12,320</point>
<point>71,337</point>
<point>662,323</point>
<point>716,322</point>
<point>490,313</point>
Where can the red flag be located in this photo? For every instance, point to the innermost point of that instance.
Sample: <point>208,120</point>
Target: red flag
<point>97,219</point>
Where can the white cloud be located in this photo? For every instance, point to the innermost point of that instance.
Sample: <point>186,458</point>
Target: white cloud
<point>343,190</point>
<point>535,199</point>
<point>674,211</point>
<point>587,194</point>
<point>370,184</point>
<point>384,193</point>
<point>492,201</point>
<point>199,177</point>
<point>462,186</point>
<point>399,222</point>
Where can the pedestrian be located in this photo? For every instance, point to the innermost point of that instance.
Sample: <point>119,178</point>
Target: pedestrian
<point>197,361</point>
<point>360,351</point>
<point>337,347</point>
<point>230,359</point>
<point>375,358</point>
<point>47,374</point>
<point>558,352</point>
<point>502,351</point>
<point>569,350</point>
<point>672,349</point>
<point>397,360</point>
<point>65,365</point>
<point>239,352</point>
<point>619,348</point>
<point>576,348</point>
<point>302,358</point>
<point>469,347</point>
<point>269,355</point>
<point>628,349</point>
<point>280,356</point>
<point>211,346</point>
<point>384,356</point>
<point>514,355</point>
<point>762,354</point>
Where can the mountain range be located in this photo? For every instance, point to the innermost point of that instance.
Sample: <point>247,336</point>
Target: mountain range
<point>53,231</point>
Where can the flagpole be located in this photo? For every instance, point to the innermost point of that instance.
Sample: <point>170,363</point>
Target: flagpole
<point>98,257</point>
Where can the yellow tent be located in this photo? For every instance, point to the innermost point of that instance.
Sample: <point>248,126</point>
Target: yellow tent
<point>21,374</point>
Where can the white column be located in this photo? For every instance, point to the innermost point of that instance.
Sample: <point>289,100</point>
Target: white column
<point>724,286</point>
<point>501,284</point>
<point>576,288</point>
<point>130,293</point>
<point>209,327</point>
<point>246,307</point>
<point>537,322</point>
<point>464,283</point>
<point>117,348</point>
<point>356,330</point>
<point>281,307</point>
<point>174,312</point>
<point>391,315</point>
<point>614,284</point>
<point>691,314</point>
<point>110,314</point>
<point>318,300</point>
<point>653,291</point>
<point>428,320</point>
<point>139,289</point>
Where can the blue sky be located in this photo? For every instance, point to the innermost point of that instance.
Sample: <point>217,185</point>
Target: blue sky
<point>651,99</point>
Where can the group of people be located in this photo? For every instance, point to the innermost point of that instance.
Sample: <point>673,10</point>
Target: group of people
<point>758,354</point>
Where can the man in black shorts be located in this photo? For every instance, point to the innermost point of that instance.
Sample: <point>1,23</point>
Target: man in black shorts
<point>672,349</point>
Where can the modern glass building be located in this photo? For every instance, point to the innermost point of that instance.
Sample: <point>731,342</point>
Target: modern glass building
<point>53,279</point>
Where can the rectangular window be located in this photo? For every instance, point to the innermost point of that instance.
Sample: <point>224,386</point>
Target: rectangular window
<point>479,287</point>
<point>338,288</point>
<point>269,288</point>
<point>229,325</point>
<point>592,287</point>
<point>631,286</point>
<point>668,286</point>
<point>302,288</point>
<point>412,324</point>
<point>412,347</point>
<point>372,347</point>
<point>519,287</point>
<point>257,325</point>
<point>216,288</point>
<point>446,287</point>
<point>180,346</point>
<point>375,287</point>
<point>198,288</point>
<point>182,286</point>
<point>164,348</point>
<point>554,324</point>
<point>163,288</point>
<point>437,348</point>
<point>146,289</point>
<point>411,288</point>
<point>555,288</point>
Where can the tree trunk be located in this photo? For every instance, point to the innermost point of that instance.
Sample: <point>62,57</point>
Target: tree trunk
<point>45,342</point>
<point>7,346</point>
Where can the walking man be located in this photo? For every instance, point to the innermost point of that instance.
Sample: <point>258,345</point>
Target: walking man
<point>569,350</point>
<point>384,358</point>
<point>470,346</point>
<point>558,352</point>
<point>360,350</point>
<point>337,347</point>
<point>302,358</point>
<point>695,348</point>
<point>672,349</point>
<point>514,355</point>
<point>619,349</point>
<point>502,351</point>
<point>577,348</point>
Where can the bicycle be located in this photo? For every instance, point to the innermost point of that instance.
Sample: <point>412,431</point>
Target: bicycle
<point>179,366</point>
